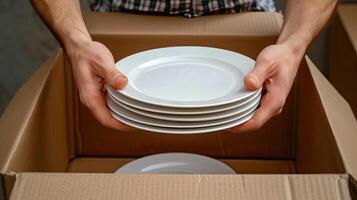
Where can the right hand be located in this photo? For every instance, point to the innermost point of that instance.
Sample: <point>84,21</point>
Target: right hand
<point>93,66</point>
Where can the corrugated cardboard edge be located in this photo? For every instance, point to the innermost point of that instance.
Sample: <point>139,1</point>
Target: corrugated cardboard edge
<point>196,26</point>
<point>279,19</point>
<point>341,119</point>
<point>13,120</point>
<point>176,187</point>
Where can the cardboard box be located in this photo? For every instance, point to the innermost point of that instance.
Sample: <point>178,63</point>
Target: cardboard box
<point>127,34</point>
<point>52,148</point>
<point>343,53</point>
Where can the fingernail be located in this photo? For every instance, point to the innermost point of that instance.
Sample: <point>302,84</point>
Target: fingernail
<point>121,81</point>
<point>254,80</point>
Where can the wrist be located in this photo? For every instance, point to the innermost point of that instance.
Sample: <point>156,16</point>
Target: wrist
<point>297,44</point>
<point>74,41</point>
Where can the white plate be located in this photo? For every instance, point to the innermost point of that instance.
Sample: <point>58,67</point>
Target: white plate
<point>194,118</point>
<point>177,111</point>
<point>183,131</point>
<point>171,124</point>
<point>176,163</point>
<point>186,77</point>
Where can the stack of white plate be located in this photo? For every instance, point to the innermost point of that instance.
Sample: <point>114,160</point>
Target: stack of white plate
<point>184,90</point>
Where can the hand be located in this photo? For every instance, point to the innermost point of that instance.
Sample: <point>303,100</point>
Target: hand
<point>275,69</point>
<point>93,65</point>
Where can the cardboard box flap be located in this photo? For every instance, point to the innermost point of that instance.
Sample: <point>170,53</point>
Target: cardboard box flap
<point>245,24</point>
<point>341,119</point>
<point>348,16</point>
<point>18,112</point>
<point>110,186</point>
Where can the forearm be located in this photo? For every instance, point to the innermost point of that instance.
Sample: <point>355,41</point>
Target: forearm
<point>64,18</point>
<point>303,21</point>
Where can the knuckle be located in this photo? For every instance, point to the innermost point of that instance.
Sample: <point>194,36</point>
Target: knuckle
<point>264,58</point>
<point>99,57</point>
<point>267,62</point>
<point>112,73</point>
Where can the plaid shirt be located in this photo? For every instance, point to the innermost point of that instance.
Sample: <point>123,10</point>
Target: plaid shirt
<point>188,8</point>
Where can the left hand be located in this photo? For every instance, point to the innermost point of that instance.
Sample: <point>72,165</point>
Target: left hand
<point>275,69</point>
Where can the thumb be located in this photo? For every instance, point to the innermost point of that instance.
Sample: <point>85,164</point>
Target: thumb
<point>256,78</point>
<point>115,79</point>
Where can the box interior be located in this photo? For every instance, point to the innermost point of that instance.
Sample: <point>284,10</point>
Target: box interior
<point>47,144</point>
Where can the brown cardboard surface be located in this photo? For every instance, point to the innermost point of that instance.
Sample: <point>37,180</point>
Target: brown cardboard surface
<point>110,165</point>
<point>14,118</point>
<point>33,128</point>
<point>257,27</point>
<point>43,144</point>
<point>341,119</point>
<point>343,53</point>
<point>348,16</point>
<point>336,127</point>
<point>316,149</point>
<point>176,187</point>
<point>71,94</point>
<point>125,34</point>
<point>246,24</point>
<point>343,75</point>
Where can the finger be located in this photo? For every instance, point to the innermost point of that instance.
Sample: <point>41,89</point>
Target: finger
<point>270,106</point>
<point>114,78</point>
<point>263,70</point>
<point>96,103</point>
